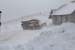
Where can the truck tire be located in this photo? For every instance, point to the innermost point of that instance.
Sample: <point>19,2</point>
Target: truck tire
<point>31,28</point>
<point>23,26</point>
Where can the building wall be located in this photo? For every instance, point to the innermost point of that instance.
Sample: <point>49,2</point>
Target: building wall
<point>63,18</point>
<point>56,21</point>
<point>66,18</point>
<point>69,18</point>
<point>73,17</point>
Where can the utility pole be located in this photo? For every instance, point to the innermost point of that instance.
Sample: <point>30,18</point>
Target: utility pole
<point>0,18</point>
<point>0,21</point>
<point>50,11</point>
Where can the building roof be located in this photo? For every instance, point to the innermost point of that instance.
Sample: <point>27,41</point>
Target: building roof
<point>73,1</point>
<point>65,9</point>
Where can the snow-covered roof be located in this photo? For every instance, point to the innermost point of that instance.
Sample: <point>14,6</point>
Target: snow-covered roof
<point>73,1</point>
<point>65,10</point>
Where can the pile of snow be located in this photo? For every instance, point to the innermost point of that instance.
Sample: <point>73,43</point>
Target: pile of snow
<point>16,23</point>
<point>11,25</point>
<point>59,38</point>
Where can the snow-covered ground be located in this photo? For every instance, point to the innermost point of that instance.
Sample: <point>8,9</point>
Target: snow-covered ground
<point>13,34</point>
<point>60,38</point>
<point>16,37</point>
<point>16,23</point>
<point>50,37</point>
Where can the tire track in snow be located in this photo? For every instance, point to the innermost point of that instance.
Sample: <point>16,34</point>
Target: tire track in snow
<point>9,38</point>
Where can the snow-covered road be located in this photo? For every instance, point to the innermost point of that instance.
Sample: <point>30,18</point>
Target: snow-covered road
<point>12,33</point>
<point>20,36</point>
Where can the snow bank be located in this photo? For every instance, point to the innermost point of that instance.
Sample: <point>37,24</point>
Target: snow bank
<point>11,25</point>
<point>60,38</point>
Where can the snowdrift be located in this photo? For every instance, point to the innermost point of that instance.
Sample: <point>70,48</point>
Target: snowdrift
<point>59,38</point>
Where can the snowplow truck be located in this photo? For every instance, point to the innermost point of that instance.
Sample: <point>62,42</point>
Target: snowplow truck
<point>32,25</point>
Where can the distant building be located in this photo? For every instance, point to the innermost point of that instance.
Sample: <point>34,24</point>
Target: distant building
<point>65,13</point>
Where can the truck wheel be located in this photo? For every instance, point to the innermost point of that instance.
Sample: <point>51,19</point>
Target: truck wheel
<point>31,28</point>
<point>23,26</point>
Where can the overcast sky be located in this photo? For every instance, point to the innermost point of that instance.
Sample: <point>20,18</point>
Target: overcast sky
<point>12,9</point>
